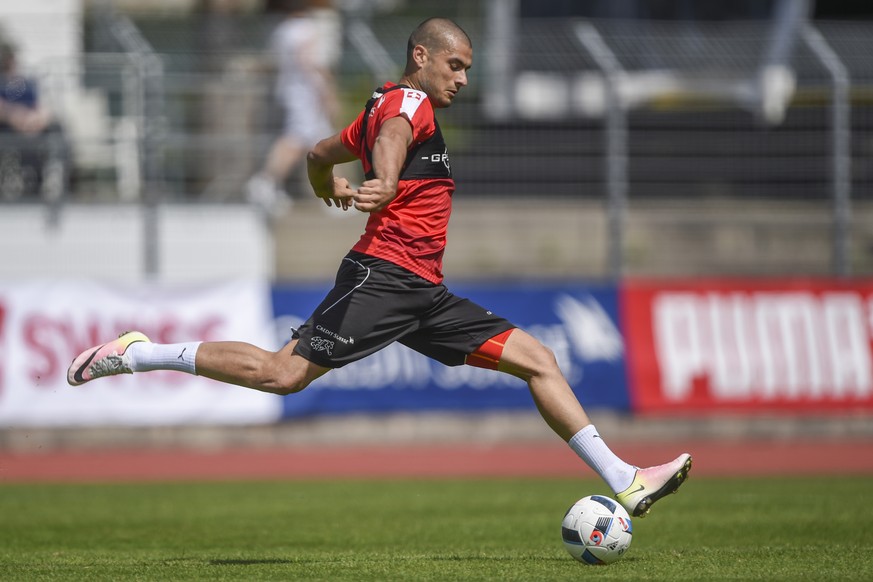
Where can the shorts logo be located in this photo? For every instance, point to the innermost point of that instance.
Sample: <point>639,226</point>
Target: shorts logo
<point>334,335</point>
<point>320,344</point>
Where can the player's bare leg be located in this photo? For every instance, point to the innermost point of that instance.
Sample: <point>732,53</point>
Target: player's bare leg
<point>636,489</point>
<point>282,372</point>
<point>525,357</point>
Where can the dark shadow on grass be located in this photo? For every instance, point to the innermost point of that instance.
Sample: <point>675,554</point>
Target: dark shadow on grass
<point>443,558</point>
<point>244,562</point>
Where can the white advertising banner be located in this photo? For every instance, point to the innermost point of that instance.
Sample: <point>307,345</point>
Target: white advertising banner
<point>44,325</point>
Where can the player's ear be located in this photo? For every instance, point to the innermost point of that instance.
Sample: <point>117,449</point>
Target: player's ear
<point>419,55</point>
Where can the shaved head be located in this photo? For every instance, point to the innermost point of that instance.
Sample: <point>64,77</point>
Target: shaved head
<point>435,34</point>
<point>438,56</point>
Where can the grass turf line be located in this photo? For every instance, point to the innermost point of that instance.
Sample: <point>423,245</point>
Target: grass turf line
<point>491,529</point>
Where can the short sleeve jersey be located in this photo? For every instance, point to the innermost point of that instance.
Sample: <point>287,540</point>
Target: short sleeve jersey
<point>409,231</point>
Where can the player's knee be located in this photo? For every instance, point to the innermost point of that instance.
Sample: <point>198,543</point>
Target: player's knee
<point>291,383</point>
<point>283,378</point>
<point>528,358</point>
<point>544,360</point>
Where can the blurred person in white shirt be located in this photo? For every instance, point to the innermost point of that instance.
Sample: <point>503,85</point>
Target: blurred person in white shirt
<point>305,48</point>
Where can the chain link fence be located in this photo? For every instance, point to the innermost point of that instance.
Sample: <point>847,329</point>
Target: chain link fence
<point>603,148</point>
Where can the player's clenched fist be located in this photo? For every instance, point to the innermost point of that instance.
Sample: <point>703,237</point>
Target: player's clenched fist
<point>374,195</point>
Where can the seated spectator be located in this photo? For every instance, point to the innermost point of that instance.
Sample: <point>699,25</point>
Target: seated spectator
<point>29,135</point>
<point>20,109</point>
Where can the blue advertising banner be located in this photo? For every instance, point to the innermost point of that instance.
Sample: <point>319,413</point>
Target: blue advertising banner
<point>578,321</point>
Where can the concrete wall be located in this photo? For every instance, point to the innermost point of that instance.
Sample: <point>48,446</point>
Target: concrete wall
<point>491,239</point>
<point>107,242</point>
<point>560,239</point>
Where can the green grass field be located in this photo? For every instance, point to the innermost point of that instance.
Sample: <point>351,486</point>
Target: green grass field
<point>765,529</point>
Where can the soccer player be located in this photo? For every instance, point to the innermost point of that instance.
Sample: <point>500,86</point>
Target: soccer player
<point>389,287</point>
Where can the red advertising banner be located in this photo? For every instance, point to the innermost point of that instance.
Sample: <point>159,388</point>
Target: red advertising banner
<point>714,345</point>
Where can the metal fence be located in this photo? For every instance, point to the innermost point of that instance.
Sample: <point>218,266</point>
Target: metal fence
<point>720,148</point>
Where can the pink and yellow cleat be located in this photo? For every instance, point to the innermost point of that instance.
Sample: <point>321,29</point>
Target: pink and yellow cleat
<point>106,360</point>
<point>653,483</point>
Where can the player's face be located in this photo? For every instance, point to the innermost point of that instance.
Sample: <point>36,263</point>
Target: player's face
<point>445,72</point>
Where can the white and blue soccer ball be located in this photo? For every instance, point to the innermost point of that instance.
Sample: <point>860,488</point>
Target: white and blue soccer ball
<point>597,530</point>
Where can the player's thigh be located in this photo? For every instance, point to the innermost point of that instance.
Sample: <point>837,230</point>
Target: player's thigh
<point>454,328</point>
<point>368,309</point>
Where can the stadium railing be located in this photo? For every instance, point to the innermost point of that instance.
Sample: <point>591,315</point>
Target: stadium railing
<point>724,160</point>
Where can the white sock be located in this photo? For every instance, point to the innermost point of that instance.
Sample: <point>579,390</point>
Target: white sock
<point>590,447</point>
<point>146,356</point>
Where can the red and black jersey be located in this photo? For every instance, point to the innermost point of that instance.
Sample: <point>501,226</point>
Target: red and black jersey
<point>409,231</point>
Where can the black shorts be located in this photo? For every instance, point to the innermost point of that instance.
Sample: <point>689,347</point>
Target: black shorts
<point>375,303</point>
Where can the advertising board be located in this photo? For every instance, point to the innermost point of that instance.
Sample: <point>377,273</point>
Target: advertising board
<point>44,325</point>
<point>578,322</point>
<point>749,345</point>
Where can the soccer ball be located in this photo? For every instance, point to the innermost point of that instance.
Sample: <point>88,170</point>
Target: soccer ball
<point>596,530</point>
